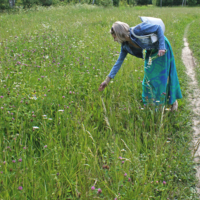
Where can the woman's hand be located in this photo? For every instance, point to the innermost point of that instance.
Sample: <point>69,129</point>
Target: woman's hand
<point>102,86</point>
<point>161,52</point>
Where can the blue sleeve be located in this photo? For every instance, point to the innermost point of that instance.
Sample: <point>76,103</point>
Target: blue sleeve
<point>147,28</point>
<point>118,63</point>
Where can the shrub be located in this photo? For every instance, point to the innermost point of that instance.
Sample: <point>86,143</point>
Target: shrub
<point>4,4</point>
<point>192,2</point>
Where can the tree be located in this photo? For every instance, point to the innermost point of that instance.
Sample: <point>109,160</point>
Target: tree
<point>4,4</point>
<point>192,2</point>
<point>116,3</point>
<point>142,2</point>
<point>177,2</point>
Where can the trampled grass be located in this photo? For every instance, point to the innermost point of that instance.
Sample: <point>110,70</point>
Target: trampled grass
<point>60,136</point>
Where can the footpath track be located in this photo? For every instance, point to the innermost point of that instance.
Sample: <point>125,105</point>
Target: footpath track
<point>194,100</point>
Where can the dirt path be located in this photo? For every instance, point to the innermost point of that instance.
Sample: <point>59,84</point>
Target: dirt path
<point>194,100</point>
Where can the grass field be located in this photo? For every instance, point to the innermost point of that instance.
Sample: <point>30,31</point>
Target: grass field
<point>60,136</point>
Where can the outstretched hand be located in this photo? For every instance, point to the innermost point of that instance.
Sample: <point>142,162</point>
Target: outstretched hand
<point>102,86</point>
<point>161,52</point>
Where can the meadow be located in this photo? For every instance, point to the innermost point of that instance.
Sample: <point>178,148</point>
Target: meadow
<point>60,138</point>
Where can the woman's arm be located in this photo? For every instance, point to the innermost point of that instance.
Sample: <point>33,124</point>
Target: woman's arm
<point>114,70</point>
<point>118,63</point>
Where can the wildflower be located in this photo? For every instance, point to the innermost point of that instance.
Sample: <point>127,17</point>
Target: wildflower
<point>45,146</point>
<point>1,96</point>
<point>38,79</point>
<point>24,147</point>
<point>129,179</point>
<point>125,174</point>
<point>45,95</point>
<point>120,157</point>
<point>92,188</point>
<point>1,172</point>
<point>70,92</point>
<point>20,160</point>
<point>13,161</point>
<point>99,191</point>
<point>20,188</point>
<point>164,182</point>
<point>63,96</point>
<point>122,162</point>
<point>2,108</point>
<point>35,127</point>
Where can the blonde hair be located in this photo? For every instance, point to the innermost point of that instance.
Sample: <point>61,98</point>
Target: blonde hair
<point>121,30</point>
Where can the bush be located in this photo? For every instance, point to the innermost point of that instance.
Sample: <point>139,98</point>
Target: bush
<point>131,2</point>
<point>142,2</point>
<point>4,4</point>
<point>192,2</point>
<point>29,3</point>
<point>116,3</point>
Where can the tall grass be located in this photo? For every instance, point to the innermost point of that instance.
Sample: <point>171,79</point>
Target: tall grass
<point>60,136</point>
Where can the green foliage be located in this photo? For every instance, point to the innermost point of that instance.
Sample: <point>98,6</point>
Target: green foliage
<point>4,4</point>
<point>46,2</point>
<point>104,3</point>
<point>177,2</point>
<point>116,3</point>
<point>131,2</point>
<point>154,2</point>
<point>192,2</point>
<point>30,3</point>
<point>142,2</point>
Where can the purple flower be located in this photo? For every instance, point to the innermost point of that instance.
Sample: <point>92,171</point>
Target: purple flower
<point>20,188</point>
<point>1,96</point>
<point>164,182</point>
<point>125,174</point>
<point>70,92</point>
<point>129,179</point>
<point>1,172</point>
<point>20,160</point>
<point>2,108</point>
<point>45,146</point>
<point>63,96</point>
<point>45,95</point>
<point>92,188</point>
<point>122,162</point>
<point>4,162</point>
<point>13,161</point>
<point>99,191</point>
<point>24,147</point>
<point>120,157</point>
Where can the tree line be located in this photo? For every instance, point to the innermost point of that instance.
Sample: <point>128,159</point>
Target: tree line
<point>9,4</point>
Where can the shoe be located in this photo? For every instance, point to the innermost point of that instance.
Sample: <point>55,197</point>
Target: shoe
<point>174,106</point>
